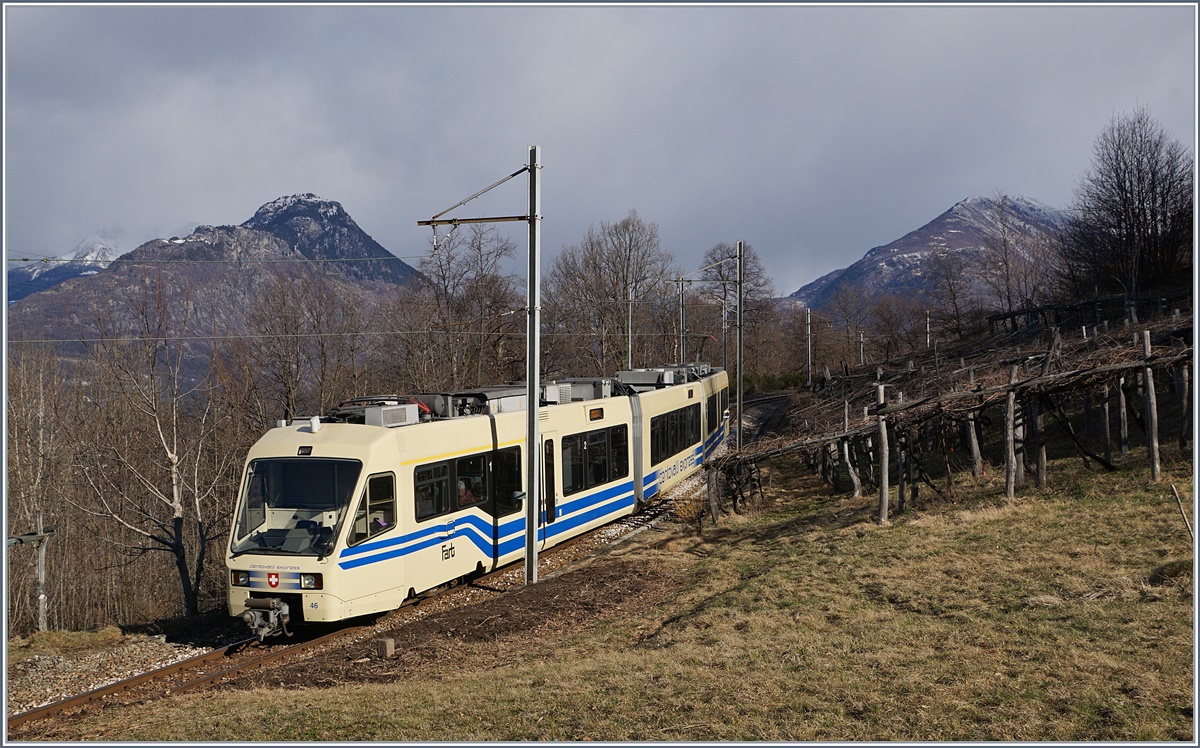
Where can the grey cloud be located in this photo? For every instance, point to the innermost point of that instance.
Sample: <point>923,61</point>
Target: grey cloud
<point>813,133</point>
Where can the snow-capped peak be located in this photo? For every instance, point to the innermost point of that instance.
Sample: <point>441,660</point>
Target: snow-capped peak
<point>100,248</point>
<point>289,203</point>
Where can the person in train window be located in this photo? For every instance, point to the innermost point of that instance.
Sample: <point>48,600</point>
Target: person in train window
<point>465,497</point>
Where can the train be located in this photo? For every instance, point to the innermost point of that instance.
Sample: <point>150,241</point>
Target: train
<point>384,498</point>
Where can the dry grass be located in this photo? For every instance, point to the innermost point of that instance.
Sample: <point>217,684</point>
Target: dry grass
<point>63,642</point>
<point>1066,616</point>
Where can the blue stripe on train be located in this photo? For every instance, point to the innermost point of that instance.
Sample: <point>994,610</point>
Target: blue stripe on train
<point>479,531</point>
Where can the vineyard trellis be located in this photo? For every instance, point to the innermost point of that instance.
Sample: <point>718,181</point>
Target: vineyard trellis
<point>920,409</point>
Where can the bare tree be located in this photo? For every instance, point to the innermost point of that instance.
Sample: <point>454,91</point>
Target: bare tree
<point>38,458</point>
<point>475,326</point>
<point>718,268</point>
<point>609,298</point>
<point>897,323</point>
<point>848,309</point>
<point>148,447</point>
<point>304,346</point>
<point>1018,267</point>
<point>1131,224</point>
<point>953,298</point>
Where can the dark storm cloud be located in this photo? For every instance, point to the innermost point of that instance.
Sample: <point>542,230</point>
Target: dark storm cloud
<point>813,133</point>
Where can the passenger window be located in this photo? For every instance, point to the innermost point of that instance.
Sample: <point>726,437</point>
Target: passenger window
<point>472,481</point>
<point>431,489</point>
<point>619,443</point>
<point>572,464</point>
<point>597,457</point>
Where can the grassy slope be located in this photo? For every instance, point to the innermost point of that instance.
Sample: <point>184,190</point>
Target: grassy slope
<point>1027,620</point>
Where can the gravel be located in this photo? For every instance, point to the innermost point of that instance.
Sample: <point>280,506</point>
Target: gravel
<point>38,680</point>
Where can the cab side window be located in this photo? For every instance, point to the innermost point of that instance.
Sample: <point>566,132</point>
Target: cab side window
<point>376,512</point>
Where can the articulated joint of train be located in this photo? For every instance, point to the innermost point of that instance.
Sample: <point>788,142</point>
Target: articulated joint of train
<point>267,616</point>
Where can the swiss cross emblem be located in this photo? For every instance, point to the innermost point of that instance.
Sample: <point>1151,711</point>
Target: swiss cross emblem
<point>273,579</point>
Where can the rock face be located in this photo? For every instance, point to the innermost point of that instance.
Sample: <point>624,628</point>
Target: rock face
<point>321,229</point>
<point>967,228</point>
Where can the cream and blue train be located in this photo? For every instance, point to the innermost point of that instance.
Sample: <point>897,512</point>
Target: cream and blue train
<point>386,497</point>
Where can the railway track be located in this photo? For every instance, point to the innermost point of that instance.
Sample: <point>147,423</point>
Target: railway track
<point>244,656</point>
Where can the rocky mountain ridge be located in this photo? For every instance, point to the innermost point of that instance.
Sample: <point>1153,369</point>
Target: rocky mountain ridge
<point>967,228</point>
<point>219,269</point>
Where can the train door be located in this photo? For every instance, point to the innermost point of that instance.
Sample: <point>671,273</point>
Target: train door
<point>507,502</point>
<point>549,512</point>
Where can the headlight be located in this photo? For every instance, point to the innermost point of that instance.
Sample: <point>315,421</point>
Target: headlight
<point>239,578</point>
<point>310,581</point>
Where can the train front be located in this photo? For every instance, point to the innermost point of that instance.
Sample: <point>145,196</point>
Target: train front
<point>297,489</point>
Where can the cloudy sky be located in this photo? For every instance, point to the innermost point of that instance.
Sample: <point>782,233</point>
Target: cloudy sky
<point>812,133</point>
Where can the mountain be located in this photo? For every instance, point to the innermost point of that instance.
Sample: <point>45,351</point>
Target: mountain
<point>320,229</point>
<point>89,257</point>
<point>967,228</point>
<point>219,270</point>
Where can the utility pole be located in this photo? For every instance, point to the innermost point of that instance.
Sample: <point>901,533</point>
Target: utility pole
<point>629,321</point>
<point>682,327</point>
<point>740,324</point>
<point>533,398</point>
<point>724,333</point>
<point>39,540</point>
<point>808,341</point>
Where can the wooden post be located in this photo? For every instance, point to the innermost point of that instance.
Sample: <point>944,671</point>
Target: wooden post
<point>1123,418</point>
<point>1019,442</point>
<point>1184,426</point>
<point>1010,447</point>
<point>1039,440</point>
<point>832,449</point>
<point>714,501</point>
<point>1105,425</point>
<point>1151,409</point>
<point>883,458</point>
<point>900,464</point>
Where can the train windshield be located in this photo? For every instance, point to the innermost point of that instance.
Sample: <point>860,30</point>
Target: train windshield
<point>293,506</point>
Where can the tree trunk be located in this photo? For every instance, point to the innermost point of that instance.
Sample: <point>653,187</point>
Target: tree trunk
<point>973,444</point>
<point>846,458</point>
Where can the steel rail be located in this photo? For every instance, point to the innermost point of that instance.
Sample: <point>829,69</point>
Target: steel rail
<point>97,694</point>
